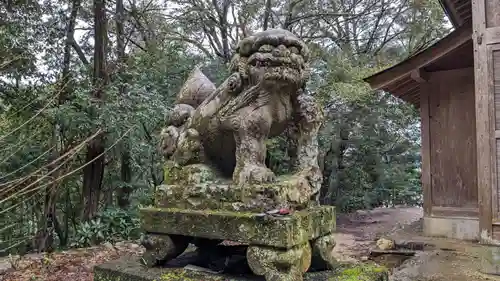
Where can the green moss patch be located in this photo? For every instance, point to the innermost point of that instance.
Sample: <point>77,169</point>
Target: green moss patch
<point>244,227</point>
<point>198,186</point>
<point>363,272</point>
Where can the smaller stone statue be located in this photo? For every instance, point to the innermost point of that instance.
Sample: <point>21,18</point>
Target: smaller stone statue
<point>217,186</point>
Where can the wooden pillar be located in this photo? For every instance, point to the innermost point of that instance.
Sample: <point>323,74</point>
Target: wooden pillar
<point>486,37</point>
<point>425,148</point>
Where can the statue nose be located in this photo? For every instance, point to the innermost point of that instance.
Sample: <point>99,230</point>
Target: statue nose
<point>281,51</point>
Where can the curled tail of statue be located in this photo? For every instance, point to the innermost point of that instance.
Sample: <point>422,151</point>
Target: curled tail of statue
<point>196,88</point>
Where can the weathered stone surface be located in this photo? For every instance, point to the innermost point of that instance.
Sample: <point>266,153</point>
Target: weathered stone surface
<point>189,176</point>
<point>490,259</point>
<point>161,248</point>
<point>129,269</point>
<point>280,264</point>
<point>196,89</point>
<point>198,187</point>
<point>322,250</point>
<point>227,127</point>
<point>245,227</point>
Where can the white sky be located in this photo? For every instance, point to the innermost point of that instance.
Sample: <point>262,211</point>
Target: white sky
<point>81,25</point>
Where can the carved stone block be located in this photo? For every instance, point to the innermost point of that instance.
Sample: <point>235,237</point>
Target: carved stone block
<point>244,227</point>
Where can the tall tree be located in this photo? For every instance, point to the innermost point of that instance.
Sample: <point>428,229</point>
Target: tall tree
<point>93,173</point>
<point>123,194</point>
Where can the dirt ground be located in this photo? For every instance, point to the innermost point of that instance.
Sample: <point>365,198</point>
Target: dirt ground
<point>441,260</point>
<point>447,260</point>
<point>357,232</point>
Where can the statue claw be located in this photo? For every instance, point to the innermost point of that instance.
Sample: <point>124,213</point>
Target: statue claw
<point>251,173</point>
<point>314,176</point>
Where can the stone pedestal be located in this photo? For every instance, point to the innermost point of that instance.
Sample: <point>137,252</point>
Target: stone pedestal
<point>490,259</point>
<point>282,234</point>
<point>279,247</point>
<point>130,269</point>
<point>198,206</point>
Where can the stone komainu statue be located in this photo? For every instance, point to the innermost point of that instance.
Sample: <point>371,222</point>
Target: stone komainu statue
<point>226,127</point>
<point>217,186</point>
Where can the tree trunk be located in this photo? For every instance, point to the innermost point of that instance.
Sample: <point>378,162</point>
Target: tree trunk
<point>267,15</point>
<point>123,193</point>
<point>94,172</point>
<point>325,196</point>
<point>92,177</point>
<point>67,214</point>
<point>332,188</point>
<point>126,177</point>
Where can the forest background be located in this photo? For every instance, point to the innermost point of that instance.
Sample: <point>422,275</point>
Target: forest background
<point>85,85</point>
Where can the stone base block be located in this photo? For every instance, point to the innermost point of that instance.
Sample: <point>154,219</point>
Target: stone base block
<point>130,269</point>
<point>244,227</point>
<point>452,227</point>
<point>197,187</point>
<point>490,259</point>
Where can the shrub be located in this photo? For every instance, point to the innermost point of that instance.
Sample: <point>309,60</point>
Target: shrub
<point>111,225</point>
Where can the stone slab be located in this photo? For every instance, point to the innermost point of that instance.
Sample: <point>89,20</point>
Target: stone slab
<point>129,269</point>
<point>462,228</point>
<point>243,227</point>
<point>490,259</point>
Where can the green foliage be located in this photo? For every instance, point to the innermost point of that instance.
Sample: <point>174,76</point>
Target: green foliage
<point>373,156</point>
<point>278,157</point>
<point>111,225</point>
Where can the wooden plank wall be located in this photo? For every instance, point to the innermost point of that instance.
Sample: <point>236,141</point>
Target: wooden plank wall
<point>486,37</point>
<point>495,88</point>
<point>452,128</point>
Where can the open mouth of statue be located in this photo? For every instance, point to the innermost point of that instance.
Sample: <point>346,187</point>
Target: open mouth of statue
<point>274,62</point>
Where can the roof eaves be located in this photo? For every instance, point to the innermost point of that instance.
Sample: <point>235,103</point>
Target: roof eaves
<point>454,39</point>
<point>449,11</point>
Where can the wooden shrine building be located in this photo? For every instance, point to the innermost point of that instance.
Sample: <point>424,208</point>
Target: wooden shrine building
<point>456,85</point>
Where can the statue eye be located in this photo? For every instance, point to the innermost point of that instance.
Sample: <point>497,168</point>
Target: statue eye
<point>294,50</point>
<point>266,48</point>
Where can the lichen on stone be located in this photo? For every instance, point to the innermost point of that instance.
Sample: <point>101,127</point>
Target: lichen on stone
<point>245,227</point>
<point>288,264</point>
<point>198,186</point>
<point>362,272</point>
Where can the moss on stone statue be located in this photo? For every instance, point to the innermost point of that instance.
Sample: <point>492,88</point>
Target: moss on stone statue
<point>244,227</point>
<point>190,174</point>
<point>197,186</point>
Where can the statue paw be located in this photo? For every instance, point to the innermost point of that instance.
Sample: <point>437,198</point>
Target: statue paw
<point>251,173</point>
<point>277,264</point>
<point>313,176</point>
<point>168,143</point>
<point>189,148</point>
